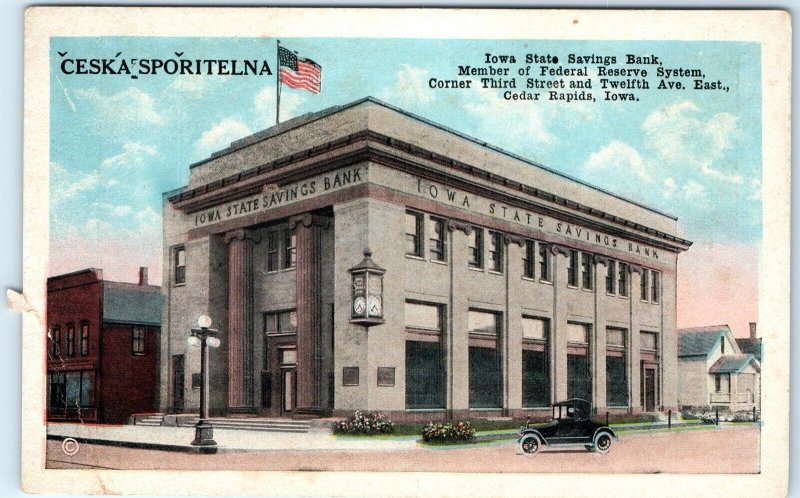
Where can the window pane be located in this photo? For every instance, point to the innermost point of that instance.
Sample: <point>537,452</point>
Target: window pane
<point>535,379</point>
<point>288,356</point>
<point>544,261</point>
<point>87,393</point>
<point>579,380</point>
<point>414,233</point>
<point>272,251</point>
<point>437,246</point>
<point>616,381</point>
<point>586,270</point>
<point>649,340</point>
<point>529,263</point>
<point>622,282</point>
<point>577,332</point>
<point>476,248</point>
<point>481,322</point>
<point>181,257</point>
<point>422,316</point>
<point>425,387</point>
<point>534,328</point>
<point>644,287</point>
<point>572,269</point>
<point>615,337</point>
<point>656,286</point>
<point>271,323</point>
<point>485,378</point>
<point>73,389</point>
<point>496,251</point>
<point>289,254</point>
<point>287,322</point>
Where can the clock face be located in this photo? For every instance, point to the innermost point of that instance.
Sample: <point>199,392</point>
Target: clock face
<point>375,307</point>
<point>359,305</point>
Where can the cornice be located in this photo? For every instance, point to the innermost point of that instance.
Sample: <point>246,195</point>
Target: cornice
<point>375,147</point>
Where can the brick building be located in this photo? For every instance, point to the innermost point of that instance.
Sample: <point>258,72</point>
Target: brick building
<point>507,285</point>
<point>102,361</point>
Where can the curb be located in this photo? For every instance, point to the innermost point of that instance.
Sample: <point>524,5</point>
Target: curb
<point>137,445</point>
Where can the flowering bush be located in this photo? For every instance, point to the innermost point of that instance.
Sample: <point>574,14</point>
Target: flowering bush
<point>438,433</point>
<point>363,423</point>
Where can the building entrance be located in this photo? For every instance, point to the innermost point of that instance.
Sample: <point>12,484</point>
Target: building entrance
<point>288,390</point>
<point>648,388</point>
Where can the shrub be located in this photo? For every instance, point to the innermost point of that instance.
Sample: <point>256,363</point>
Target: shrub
<point>363,423</point>
<point>445,433</point>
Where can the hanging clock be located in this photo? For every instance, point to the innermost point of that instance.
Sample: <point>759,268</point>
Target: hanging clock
<point>367,295</point>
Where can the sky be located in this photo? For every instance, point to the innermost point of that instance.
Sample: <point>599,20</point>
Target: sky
<point>118,143</point>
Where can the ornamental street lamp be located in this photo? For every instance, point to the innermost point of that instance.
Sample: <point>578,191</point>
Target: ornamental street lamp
<point>204,337</point>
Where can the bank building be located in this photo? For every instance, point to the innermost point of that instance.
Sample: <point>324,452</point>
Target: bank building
<point>366,258</point>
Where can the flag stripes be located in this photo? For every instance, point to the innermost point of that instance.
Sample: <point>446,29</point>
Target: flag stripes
<point>297,72</point>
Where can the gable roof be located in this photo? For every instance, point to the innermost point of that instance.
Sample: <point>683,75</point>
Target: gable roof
<point>734,363</point>
<point>700,341</point>
<point>751,346</point>
<point>132,304</point>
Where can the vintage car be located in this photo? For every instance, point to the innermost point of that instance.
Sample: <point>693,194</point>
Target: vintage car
<point>572,425</point>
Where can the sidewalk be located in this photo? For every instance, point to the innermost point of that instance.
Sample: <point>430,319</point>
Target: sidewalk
<point>180,438</point>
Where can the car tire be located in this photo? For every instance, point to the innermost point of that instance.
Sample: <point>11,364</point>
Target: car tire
<point>529,444</point>
<point>602,442</point>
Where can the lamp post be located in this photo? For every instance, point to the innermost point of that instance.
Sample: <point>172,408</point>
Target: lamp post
<point>204,337</point>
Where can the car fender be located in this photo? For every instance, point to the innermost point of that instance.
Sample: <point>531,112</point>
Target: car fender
<point>539,434</point>
<point>604,429</point>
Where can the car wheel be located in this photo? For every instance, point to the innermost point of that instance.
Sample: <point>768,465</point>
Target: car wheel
<point>602,443</point>
<point>529,444</point>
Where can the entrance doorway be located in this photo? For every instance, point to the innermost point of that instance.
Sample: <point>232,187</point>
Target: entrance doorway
<point>649,390</point>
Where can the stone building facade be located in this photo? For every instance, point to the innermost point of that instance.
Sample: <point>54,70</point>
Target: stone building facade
<point>507,285</point>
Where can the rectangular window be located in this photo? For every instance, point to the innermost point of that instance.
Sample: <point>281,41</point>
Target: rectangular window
<point>485,375</point>
<point>544,261</point>
<point>138,341</point>
<point>644,285</point>
<point>622,281</point>
<point>289,357</point>
<point>656,290</point>
<point>349,376</point>
<point>529,260</point>
<point>572,269</point>
<point>579,378</point>
<point>74,391</point>
<point>476,248</point>
<point>496,251</point>
<point>616,372</point>
<point>535,328</point>
<point>722,345</point>
<point>414,233</point>
<point>616,381</point>
<point>55,342</point>
<point>649,341</point>
<point>587,267</point>
<point>578,333</point>
<point>483,323</point>
<point>70,340</point>
<point>425,368</point>
<point>58,391</point>
<point>282,322</point>
<point>437,241</point>
<point>611,276</point>
<point>84,339</point>
<point>535,364</point>
<point>722,383</point>
<point>180,265</point>
<point>272,251</point>
<point>289,253</point>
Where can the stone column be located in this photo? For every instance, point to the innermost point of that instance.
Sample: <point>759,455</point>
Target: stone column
<point>239,334</point>
<point>308,233</point>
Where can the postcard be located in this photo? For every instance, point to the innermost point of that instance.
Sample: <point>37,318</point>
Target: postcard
<point>398,252</point>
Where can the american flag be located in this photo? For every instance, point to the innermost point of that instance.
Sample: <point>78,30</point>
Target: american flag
<point>299,72</point>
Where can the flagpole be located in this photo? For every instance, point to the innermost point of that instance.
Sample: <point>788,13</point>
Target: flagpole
<point>278,87</point>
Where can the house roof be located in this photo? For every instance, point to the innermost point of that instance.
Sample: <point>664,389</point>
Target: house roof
<point>131,303</point>
<point>699,341</point>
<point>733,363</point>
<point>750,346</point>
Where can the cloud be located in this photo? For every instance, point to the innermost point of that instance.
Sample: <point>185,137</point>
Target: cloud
<point>221,135</point>
<point>133,155</point>
<point>65,184</point>
<point>192,84</point>
<point>681,139</point>
<point>618,159</point>
<point>264,105</point>
<point>130,107</point>
<point>495,113</point>
<point>409,88</point>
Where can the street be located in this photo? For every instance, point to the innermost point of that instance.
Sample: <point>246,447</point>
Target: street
<point>730,449</point>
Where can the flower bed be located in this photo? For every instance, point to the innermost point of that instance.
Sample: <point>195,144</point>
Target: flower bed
<point>363,423</point>
<point>447,433</point>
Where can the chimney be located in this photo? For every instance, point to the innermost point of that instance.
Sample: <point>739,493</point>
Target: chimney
<point>752,330</point>
<point>143,278</point>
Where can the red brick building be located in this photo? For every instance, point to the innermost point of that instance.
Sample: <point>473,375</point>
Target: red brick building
<point>102,351</point>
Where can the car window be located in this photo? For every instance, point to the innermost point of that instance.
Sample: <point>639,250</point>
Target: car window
<point>571,412</point>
